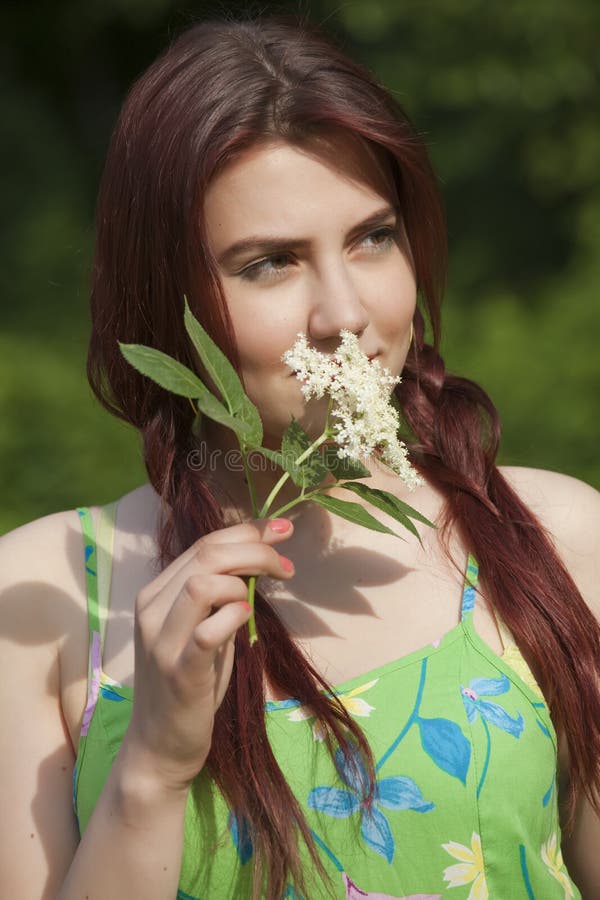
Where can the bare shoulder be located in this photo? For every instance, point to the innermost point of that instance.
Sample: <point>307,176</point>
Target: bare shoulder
<point>41,576</point>
<point>569,509</point>
<point>42,565</point>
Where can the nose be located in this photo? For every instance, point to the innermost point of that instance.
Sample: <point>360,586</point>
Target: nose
<point>337,304</point>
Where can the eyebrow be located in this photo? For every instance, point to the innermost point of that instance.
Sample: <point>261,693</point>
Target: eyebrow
<point>274,243</point>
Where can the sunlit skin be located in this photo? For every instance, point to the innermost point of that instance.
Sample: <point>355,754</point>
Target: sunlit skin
<point>344,274</point>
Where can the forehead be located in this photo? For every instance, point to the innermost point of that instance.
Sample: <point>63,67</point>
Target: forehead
<point>276,181</point>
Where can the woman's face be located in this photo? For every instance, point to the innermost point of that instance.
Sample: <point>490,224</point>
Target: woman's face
<point>326,251</point>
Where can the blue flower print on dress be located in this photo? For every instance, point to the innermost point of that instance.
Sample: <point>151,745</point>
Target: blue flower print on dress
<point>395,793</point>
<point>108,694</point>
<point>490,712</point>
<point>447,746</point>
<point>240,835</point>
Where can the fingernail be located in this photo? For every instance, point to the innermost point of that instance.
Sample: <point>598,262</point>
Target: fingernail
<point>246,606</point>
<point>279,526</point>
<point>286,564</point>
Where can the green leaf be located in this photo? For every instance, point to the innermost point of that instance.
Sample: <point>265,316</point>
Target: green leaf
<point>310,473</point>
<point>353,512</point>
<point>390,504</point>
<point>225,377</point>
<point>163,369</point>
<point>295,440</point>
<point>250,416</point>
<point>382,503</point>
<point>294,443</point>
<point>274,455</point>
<point>209,405</point>
<point>216,363</point>
<point>343,468</point>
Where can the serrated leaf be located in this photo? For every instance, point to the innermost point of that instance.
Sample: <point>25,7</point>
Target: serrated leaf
<point>295,440</point>
<point>294,443</point>
<point>163,370</point>
<point>250,416</point>
<point>274,455</point>
<point>310,473</point>
<point>217,365</point>
<point>210,406</point>
<point>384,501</point>
<point>394,502</point>
<point>226,379</point>
<point>343,468</point>
<point>353,512</point>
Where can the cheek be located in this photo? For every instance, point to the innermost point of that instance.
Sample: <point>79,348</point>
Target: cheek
<point>263,343</point>
<point>398,302</point>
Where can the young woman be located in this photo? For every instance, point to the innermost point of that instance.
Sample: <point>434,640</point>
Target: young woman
<point>415,720</point>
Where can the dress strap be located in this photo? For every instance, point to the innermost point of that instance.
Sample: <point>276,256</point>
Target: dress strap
<point>106,540</point>
<point>98,564</point>
<point>470,586</point>
<point>91,568</point>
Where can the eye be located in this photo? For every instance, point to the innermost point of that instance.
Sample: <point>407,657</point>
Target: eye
<point>266,269</point>
<point>383,238</point>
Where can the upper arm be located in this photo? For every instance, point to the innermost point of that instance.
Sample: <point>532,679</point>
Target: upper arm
<point>38,831</point>
<point>570,511</point>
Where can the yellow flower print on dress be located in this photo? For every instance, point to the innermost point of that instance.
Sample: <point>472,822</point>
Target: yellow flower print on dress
<point>470,868</point>
<point>351,701</point>
<point>552,857</point>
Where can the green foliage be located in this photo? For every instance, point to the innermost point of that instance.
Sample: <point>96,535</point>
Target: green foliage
<point>226,381</point>
<point>164,370</point>
<point>353,512</point>
<point>346,467</point>
<point>389,504</point>
<point>295,442</point>
<point>505,96</point>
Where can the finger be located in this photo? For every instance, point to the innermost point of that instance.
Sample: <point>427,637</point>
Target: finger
<point>254,530</point>
<point>199,653</point>
<point>199,597</point>
<point>268,530</point>
<point>213,560</point>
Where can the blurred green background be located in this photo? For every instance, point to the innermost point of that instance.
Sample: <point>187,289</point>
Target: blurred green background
<point>505,95</point>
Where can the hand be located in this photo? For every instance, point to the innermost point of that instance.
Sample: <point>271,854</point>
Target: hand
<point>185,625</point>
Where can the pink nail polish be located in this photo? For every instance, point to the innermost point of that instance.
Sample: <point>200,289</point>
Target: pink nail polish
<point>279,526</point>
<point>286,564</point>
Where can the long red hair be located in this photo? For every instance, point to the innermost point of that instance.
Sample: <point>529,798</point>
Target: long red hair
<point>222,86</point>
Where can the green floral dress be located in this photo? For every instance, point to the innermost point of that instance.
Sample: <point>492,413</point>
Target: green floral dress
<point>466,762</point>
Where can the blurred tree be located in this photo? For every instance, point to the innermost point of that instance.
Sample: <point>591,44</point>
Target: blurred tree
<point>506,98</point>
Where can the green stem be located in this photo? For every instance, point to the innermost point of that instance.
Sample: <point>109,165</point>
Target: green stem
<point>252,621</point>
<point>265,508</point>
<point>255,512</point>
<point>292,503</point>
<point>252,580</point>
<point>252,633</point>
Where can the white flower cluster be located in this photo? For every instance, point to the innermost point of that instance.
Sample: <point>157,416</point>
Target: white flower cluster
<point>359,389</point>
